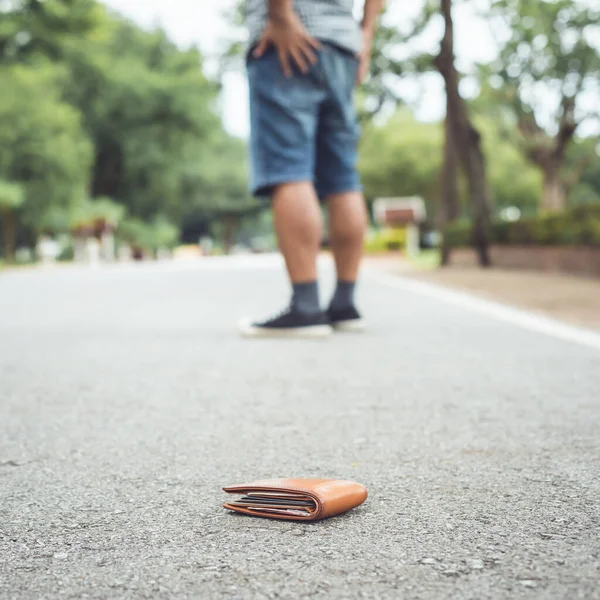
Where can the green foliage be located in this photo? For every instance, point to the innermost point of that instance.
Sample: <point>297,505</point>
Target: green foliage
<point>513,181</point>
<point>133,232</point>
<point>576,226</point>
<point>584,193</point>
<point>164,233</point>
<point>582,171</point>
<point>42,146</point>
<point>148,109</point>
<point>403,157</point>
<point>549,41</point>
<point>39,28</point>
<point>92,105</point>
<point>459,234</point>
<point>12,196</point>
<point>426,260</point>
<point>96,213</point>
<point>149,236</point>
<point>391,61</point>
<point>107,210</point>
<point>548,63</point>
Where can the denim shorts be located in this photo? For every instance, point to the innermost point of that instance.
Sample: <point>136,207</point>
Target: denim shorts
<point>304,127</point>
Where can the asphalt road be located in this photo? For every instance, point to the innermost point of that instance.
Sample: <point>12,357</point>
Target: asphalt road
<point>127,400</point>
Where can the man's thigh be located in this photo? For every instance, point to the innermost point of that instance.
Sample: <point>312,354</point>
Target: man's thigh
<point>283,122</point>
<point>338,131</point>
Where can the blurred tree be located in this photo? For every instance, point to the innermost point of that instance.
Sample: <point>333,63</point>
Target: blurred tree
<point>581,171</point>
<point>466,141</point>
<point>392,61</point>
<point>548,63</point>
<point>222,195</point>
<point>134,232</point>
<point>149,111</point>
<point>12,196</point>
<point>39,28</point>
<point>70,73</point>
<point>403,157</point>
<point>148,236</point>
<point>42,145</point>
<point>95,217</point>
<point>512,181</point>
<point>164,233</point>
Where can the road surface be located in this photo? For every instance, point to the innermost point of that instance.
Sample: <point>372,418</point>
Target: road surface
<point>128,400</point>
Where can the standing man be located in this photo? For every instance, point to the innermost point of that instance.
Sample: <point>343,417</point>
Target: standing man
<point>305,59</point>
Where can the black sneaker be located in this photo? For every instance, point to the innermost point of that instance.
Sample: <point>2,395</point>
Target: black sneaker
<point>346,319</point>
<point>290,323</point>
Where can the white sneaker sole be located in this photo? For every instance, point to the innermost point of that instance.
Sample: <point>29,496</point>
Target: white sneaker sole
<point>352,326</point>
<point>247,329</point>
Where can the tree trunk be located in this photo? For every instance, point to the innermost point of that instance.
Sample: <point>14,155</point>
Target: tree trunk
<point>230,227</point>
<point>549,154</point>
<point>478,196</point>
<point>450,175</point>
<point>8,235</point>
<point>449,209</point>
<point>466,139</point>
<point>107,172</point>
<point>553,197</point>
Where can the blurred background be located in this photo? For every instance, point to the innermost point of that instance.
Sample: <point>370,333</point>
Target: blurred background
<point>123,128</point>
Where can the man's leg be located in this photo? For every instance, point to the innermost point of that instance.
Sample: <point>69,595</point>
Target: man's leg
<point>298,226</point>
<point>347,225</point>
<point>284,114</point>
<point>297,219</point>
<point>338,182</point>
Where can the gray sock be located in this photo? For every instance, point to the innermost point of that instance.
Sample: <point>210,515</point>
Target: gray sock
<point>305,297</point>
<point>344,295</point>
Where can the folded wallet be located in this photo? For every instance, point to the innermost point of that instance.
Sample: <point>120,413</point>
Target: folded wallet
<point>296,499</point>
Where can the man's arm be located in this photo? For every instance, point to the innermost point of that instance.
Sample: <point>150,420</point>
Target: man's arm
<point>371,14</point>
<point>280,10</point>
<point>286,32</point>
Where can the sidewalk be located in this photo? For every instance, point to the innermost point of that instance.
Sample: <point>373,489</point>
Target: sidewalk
<point>567,298</point>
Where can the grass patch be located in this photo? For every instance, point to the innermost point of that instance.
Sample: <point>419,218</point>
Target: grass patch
<point>426,260</point>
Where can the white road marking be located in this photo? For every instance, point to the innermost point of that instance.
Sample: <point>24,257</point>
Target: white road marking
<point>528,320</point>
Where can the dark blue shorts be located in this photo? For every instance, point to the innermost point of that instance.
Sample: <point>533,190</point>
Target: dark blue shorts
<point>304,128</point>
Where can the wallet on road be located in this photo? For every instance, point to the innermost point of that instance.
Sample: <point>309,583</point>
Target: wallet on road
<point>296,499</point>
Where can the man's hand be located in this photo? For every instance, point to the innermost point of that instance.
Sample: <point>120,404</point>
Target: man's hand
<point>371,14</point>
<point>364,56</point>
<point>292,42</point>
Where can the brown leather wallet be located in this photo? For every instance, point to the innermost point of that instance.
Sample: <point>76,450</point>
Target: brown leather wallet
<point>296,499</point>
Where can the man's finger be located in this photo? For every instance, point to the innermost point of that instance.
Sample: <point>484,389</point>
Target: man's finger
<point>261,47</point>
<point>313,42</point>
<point>309,54</point>
<point>285,63</point>
<point>299,59</point>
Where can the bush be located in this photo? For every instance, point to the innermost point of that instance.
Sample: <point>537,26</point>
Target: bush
<point>573,227</point>
<point>385,240</point>
<point>459,234</point>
